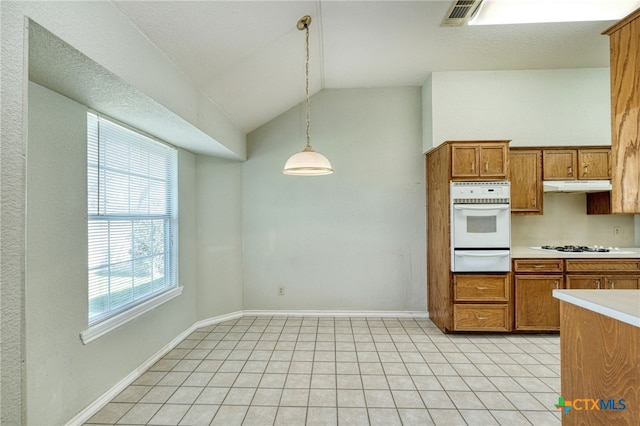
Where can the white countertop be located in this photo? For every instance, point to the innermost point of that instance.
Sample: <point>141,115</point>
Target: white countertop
<point>622,305</point>
<point>521,252</point>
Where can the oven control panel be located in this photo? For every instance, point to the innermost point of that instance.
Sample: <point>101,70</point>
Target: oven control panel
<point>480,192</point>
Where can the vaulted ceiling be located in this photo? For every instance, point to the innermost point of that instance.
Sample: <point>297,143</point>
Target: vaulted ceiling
<point>248,57</point>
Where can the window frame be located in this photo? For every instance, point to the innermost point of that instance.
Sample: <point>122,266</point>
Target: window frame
<point>97,170</point>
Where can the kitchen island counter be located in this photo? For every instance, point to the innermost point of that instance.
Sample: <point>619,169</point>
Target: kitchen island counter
<point>621,305</point>
<point>599,356</point>
<point>522,252</point>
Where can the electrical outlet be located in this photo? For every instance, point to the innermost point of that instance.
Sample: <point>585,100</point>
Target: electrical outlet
<point>616,231</point>
<point>281,290</point>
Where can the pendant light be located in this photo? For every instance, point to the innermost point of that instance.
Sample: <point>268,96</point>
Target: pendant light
<point>307,162</point>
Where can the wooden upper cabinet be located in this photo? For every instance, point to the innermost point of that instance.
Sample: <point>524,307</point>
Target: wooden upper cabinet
<point>624,42</point>
<point>580,163</point>
<point>560,164</point>
<point>485,160</point>
<point>525,171</point>
<point>594,164</point>
<point>464,161</point>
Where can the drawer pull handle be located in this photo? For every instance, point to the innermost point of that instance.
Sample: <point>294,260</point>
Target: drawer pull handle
<point>613,285</point>
<point>481,318</point>
<point>598,284</point>
<point>538,266</point>
<point>556,283</point>
<point>486,166</point>
<point>569,171</point>
<point>586,170</point>
<point>481,288</point>
<point>473,167</point>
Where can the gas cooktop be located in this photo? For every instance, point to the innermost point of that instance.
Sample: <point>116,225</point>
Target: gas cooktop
<point>582,249</point>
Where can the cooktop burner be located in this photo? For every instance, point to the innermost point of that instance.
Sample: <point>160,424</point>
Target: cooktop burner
<point>577,249</point>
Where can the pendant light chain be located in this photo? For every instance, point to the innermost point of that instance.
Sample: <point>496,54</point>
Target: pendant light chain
<point>306,26</point>
<point>307,162</point>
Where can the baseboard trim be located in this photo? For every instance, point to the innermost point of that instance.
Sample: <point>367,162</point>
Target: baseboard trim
<point>96,405</point>
<point>321,313</point>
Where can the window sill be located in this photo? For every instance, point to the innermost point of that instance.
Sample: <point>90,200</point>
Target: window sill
<point>108,325</point>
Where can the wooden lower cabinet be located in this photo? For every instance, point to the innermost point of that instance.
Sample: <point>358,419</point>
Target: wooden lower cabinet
<point>482,302</point>
<point>535,307</point>
<point>481,317</point>
<point>481,288</point>
<point>603,282</point>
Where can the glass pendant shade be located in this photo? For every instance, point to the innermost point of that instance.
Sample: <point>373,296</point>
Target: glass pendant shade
<point>307,163</point>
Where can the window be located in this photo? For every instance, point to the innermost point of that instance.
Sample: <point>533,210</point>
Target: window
<point>132,218</point>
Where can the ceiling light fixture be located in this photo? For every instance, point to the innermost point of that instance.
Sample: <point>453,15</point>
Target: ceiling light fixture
<point>307,162</point>
<point>497,12</point>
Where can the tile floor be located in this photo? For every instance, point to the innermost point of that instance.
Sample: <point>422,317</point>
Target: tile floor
<point>346,371</point>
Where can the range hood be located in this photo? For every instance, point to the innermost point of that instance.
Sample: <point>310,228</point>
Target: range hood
<point>576,185</point>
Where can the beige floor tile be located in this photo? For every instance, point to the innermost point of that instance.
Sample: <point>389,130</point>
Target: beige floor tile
<point>415,417</point>
<point>132,394</point>
<point>379,399</point>
<point>288,416</point>
<point>348,416</point>
<point>322,398</point>
<point>322,416</point>
<point>185,395</point>
<point>139,414</point>
<point>110,413</point>
<point>295,398</point>
<point>384,417</point>
<point>169,414</point>
<point>267,396</point>
<point>212,396</point>
<point>230,415</point>
<point>446,417</point>
<point>199,415</point>
<point>158,394</point>
<point>260,416</point>
<point>478,418</point>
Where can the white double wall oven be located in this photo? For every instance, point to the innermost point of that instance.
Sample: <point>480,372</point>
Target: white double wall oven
<point>480,226</point>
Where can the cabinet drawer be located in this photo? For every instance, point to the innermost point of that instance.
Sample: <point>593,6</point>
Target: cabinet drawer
<point>481,318</point>
<point>608,265</point>
<point>481,288</point>
<point>538,265</point>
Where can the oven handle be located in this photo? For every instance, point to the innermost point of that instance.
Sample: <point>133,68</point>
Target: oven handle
<point>481,207</point>
<point>496,253</point>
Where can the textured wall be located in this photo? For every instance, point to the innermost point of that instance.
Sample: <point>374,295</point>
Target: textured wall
<point>531,107</point>
<point>12,193</point>
<point>63,375</point>
<point>219,253</point>
<point>353,240</point>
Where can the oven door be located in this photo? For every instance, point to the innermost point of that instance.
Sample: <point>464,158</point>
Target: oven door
<point>481,261</point>
<point>481,226</point>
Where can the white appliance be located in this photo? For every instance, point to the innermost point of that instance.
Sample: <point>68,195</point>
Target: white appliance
<point>576,185</point>
<point>480,226</point>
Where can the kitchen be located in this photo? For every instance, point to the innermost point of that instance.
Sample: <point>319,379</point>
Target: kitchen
<point>389,200</point>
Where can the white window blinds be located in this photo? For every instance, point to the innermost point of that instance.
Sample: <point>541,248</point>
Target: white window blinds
<point>132,218</point>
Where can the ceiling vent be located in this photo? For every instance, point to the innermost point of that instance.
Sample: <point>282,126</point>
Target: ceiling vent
<point>460,12</point>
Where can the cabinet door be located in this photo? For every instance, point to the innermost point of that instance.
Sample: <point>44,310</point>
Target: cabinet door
<point>594,164</point>
<point>464,161</point>
<point>559,164</point>
<point>493,161</point>
<point>585,282</point>
<point>525,171</point>
<point>622,282</point>
<point>536,308</point>
<point>625,114</point>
